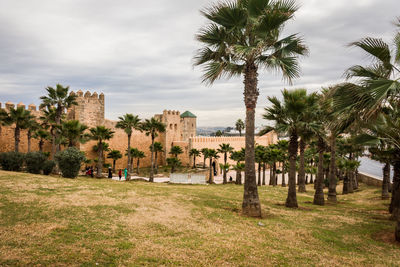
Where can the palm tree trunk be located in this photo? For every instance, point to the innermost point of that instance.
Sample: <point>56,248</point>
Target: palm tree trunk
<point>100,160</point>
<point>53,143</point>
<point>332,172</point>
<point>129,163</point>
<point>152,160</point>
<point>17,133</point>
<point>114,165</point>
<point>270,175</point>
<point>302,173</point>
<point>259,174</point>
<point>386,181</point>
<point>211,180</point>
<point>155,163</point>
<point>225,160</point>
<point>346,183</point>
<point>274,174</point>
<point>237,176</point>
<point>194,162</point>
<point>291,201</point>
<point>251,203</point>
<point>394,207</point>
<point>41,143</point>
<point>204,162</point>
<point>29,137</point>
<point>319,191</point>
<point>137,166</point>
<point>283,174</point>
<point>263,172</point>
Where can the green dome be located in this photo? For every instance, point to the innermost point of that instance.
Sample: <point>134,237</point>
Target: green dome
<point>188,114</point>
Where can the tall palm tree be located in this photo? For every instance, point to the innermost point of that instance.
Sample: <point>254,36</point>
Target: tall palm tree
<point>128,123</point>
<point>152,127</point>
<point>238,156</point>
<point>239,126</point>
<point>74,132</point>
<point>283,146</point>
<point>194,153</point>
<point>204,152</point>
<point>288,116</point>
<point>48,119</point>
<point>158,148</point>
<point>21,118</point>
<point>225,149</point>
<point>114,155</point>
<point>61,100</point>
<point>243,36</point>
<point>100,134</point>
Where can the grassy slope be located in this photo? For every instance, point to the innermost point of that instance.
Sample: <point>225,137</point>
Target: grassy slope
<point>48,221</point>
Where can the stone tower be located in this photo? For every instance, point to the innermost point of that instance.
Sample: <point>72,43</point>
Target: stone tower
<point>90,109</point>
<point>188,125</point>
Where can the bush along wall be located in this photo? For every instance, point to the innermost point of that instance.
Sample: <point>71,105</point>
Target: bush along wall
<point>12,161</point>
<point>34,161</point>
<point>69,162</point>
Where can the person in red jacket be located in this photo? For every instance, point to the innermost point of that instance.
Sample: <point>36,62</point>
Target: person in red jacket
<point>120,174</point>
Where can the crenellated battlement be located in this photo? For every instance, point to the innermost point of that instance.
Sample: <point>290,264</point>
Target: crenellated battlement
<point>8,105</point>
<point>171,112</point>
<point>88,95</point>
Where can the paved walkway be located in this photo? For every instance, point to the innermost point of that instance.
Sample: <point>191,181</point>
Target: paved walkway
<point>217,179</point>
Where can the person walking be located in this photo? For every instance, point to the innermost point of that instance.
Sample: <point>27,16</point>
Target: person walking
<point>120,174</point>
<point>126,173</point>
<point>109,173</point>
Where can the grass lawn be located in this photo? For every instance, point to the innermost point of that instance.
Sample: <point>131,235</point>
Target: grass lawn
<point>89,222</point>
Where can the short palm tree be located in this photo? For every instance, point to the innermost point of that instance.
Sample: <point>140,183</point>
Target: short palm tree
<point>158,148</point>
<point>175,151</point>
<point>21,118</point>
<point>194,153</point>
<point>287,116</point>
<point>225,149</point>
<point>152,127</point>
<point>41,135</point>
<point>61,100</point>
<point>211,154</point>
<point>100,134</point>
<point>74,132</point>
<point>128,123</point>
<point>239,126</point>
<point>31,127</point>
<point>137,154</point>
<point>283,146</point>
<point>114,155</point>
<point>204,153</point>
<point>242,37</point>
<point>173,163</point>
<point>238,156</point>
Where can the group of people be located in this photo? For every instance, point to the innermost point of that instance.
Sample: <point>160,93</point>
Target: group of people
<point>89,171</point>
<point>119,173</point>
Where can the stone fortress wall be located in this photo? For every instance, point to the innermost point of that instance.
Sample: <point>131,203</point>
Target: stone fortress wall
<point>180,130</point>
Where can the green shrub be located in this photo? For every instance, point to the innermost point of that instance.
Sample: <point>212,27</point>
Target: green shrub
<point>48,166</point>
<point>34,161</point>
<point>12,161</point>
<point>70,161</point>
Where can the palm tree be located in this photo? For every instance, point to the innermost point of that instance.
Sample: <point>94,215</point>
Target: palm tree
<point>74,132</point>
<point>194,153</point>
<point>260,150</point>
<point>137,154</point>
<point>238,156</point>
<point>175,151</point>
<point>114,155</point>
<point>21,118</point>
<point>283,146</point>
<point>288,118</point>
<point>128,123</point>
<point>61,100</point>
<point>204,152</point>
<point>225,149</point>
<point>42,135</point>
<point>173,162</point>
<point>239,126</point>
<point>100,134</point>
<point>48,119</point>
<point>32,126</point>
<point>3,119</point>
<point>158,147</point>
<point>152,127</point>
<point>242,37</point>
<point>383,154</point>
<point>211,154</point>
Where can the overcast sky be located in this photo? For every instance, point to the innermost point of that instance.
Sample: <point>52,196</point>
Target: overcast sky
<point>139,53</point>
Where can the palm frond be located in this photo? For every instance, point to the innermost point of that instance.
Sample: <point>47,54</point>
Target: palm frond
<point>375,48</point>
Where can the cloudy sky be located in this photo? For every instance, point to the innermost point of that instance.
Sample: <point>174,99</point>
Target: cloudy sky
<point>139,53</point>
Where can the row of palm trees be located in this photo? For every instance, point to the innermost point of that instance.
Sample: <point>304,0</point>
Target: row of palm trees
<point>244,36</point>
